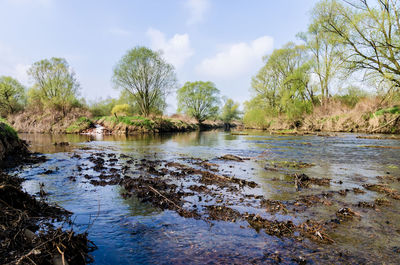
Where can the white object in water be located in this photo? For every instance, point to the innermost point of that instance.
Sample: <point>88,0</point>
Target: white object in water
<point>99,129</point>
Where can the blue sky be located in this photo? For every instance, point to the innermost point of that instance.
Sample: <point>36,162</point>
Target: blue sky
<point>222,41</point>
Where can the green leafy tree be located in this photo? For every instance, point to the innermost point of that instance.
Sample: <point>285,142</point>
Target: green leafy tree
<point>370,32</point>
<point>283,84</point>
<point>55,84</point>
<point>12,95</point>
<point>230,111</point>
<point>147,77</point>
<point>123,109</point>
<point>326,49</point>
<point>199,100</point>
<point>102,107</point>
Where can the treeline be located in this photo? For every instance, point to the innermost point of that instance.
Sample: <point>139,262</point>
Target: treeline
<point>143,77</point>
<point>345,40</point>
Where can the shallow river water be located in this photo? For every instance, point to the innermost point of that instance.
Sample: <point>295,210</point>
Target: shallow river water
<point>128,231</point>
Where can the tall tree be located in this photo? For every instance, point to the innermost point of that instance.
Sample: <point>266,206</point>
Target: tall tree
<point>370,31</point>
<point>54,82</point>
<point>199,100</point>
<point>12,94</point>
<point>146,76</point>
<point>326,49</point>
<point>283,83</point>
<point>230,111</point>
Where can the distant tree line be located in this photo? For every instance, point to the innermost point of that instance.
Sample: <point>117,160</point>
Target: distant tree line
<point>344,39</point>
<point>143,77</point>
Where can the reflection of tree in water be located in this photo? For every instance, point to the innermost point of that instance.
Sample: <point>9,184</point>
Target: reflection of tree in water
<point>44,143</point>
<point>230,137</point>
<point>197,138</point>
<point>144,145</point>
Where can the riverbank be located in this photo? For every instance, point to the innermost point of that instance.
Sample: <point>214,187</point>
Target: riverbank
<point>27,233</point>
<point>363,118</point>
<point>10,145</point>
<point>79,121</point>
<point>138,124</point>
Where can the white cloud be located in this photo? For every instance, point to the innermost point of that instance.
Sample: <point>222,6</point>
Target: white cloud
<point>197,10</point>
<point>11,64</point>
<point>176,50</point>
<point>236,59</point>
<point>21,73</point>
<point>119,32</point>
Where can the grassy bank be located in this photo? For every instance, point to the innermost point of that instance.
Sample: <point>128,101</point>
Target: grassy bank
<point>10,144</point>
<point>335,116</point>
<point>79,121</point>
<point>138,124</point>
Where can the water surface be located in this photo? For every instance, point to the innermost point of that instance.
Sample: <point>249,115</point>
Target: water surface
<point>128,231</point>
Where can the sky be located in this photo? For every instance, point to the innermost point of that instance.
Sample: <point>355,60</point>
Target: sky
<point>222,41</point>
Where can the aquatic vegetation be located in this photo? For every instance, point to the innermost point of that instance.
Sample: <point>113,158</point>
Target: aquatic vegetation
<point>287,164</point>
<point>383,189</point>
<point>229,198</point>
<point>381,146</point>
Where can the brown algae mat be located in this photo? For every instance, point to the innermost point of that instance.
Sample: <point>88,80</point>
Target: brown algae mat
<point>207,190</point>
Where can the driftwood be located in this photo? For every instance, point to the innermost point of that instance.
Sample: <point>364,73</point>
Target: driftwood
<point>388,123</point>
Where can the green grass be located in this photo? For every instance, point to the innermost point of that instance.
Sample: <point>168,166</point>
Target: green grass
<point>79,125</point>
<point>285,131</point>
<point>133,121</point>
<point>8,130</point>
<point>392,110</point>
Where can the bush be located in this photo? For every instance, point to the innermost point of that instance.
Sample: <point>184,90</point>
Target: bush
<point>352,96</point>
<point>296,109</point>
<point>123,109</point>
<point>392,110</point>
<point>133,121</point>
<point>8,129</point>
<point>257,118</point>
<point>79,125</point>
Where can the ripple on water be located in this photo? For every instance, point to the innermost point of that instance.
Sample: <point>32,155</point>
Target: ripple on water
<point>128,231</point>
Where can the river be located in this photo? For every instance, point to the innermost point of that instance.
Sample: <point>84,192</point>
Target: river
<point>128,231</point>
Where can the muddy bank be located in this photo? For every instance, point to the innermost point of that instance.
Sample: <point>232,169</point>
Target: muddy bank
<point>27,232</point>
<point>46,121</point>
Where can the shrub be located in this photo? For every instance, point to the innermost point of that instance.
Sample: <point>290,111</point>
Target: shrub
<point>123,109</point>
<point>79,125</point>
<point>257,118</point>
<point>8,129</point>
<point>392,110</point>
